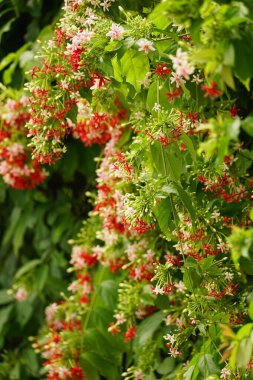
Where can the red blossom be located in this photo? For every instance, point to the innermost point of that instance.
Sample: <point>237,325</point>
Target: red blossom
<point>89,259</point>
<point>113,329</point>
<point>77,373</point>
<point>130,334</point>
<point>211,91</point>
<point>162,70</point>
<point>234,111</point>
<point>174,94</point>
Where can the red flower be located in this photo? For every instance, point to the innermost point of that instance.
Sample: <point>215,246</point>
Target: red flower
<point>113,329</point>
<point>182,147</point>
<point>89,259</point>
<point>77,373</point>
<point>192,116</point>
<point>130,334</point>
<point>211,92</point>
<point>162,70</point>
<point>173,94</point>
<point>84,299</point>
<point>234,111</point>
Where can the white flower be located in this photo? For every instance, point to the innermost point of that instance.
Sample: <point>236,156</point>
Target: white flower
<point>229,276</point>
<point>64,84</point>
<point>106,4</point>
<point>145,45</point>
<point>157,107</point>
<point>222,247</point>
<point>158,290</point>
<point>216,215</point>
<point>224,373</point>
<point>79,39</point>
<point>180,287</point>
<point>179,58</point>
<point>181,64</point>
<point>120,318</point>
<point>177,79</point>
<point>50,312</point>
<point>185,70</point>
<point>96,84</point>
<point>170,338</point>
<point>174,352</point>
<point>63,372</point>
<point>196,79</point>
<point>168,320</point>
<point>138,375</point>
<point>115,32</point>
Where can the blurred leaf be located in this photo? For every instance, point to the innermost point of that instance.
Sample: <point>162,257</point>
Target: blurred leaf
<point>27,267</point>
<point>4,315</point>
<point>24,311</point>
<point>134,67</point>
<point>207,365</point>
<point>5,297</point>
<point>147,328</point>
<point>40,277</point>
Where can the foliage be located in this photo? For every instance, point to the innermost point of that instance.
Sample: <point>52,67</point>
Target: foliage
<point>163,264</point>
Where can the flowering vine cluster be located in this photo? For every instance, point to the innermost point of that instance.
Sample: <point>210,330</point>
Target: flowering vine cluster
<point>17,167</point>
<point>162,267</point>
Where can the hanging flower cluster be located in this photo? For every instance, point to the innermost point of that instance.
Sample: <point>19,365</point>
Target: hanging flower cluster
<point>16,165</point>
<point>165,256</point>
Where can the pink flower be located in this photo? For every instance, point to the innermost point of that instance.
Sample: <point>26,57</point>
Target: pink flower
<point>116,32</point>
<point>138,375</point>
<point>145,45</point>
<point>224,373</point>
<point>50,312</point>
<point>120,318</point>
<point>21,294</point>
<point>180,287</point>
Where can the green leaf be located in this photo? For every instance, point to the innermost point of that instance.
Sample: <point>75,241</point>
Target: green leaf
<point>244,56</point>
<point>190,147</point>
<point>185,199</point>
<point>40,277</point>
<point>244,331</point>
<point>188,374</point>
<point>90,370</point>
<point>163,215</point>
<point>27,267</point>
<point>147,328</point>
<point>244,352</point>
<point>167,160</point>
<point>191,279</point>
<point>30,359</point>
<point>7,60</point>
<point>247,125</point>
<point>251,214</point>
<point>5,297</point>
<point>14,218</point>
<point>24,311</point>
<point>207,365</point>
<point>152,96</point>
<point>104,367</point>
<point>166,366</point>
<point>251,310</point>
<point>116,69</point>
<point>159,16</point>
<point>134,67</point>
<point>108,292</point>
<point>4,316</point>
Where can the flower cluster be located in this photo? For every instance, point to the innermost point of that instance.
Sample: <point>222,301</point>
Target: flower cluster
<point>160,260</point>
<point>17,167</point>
